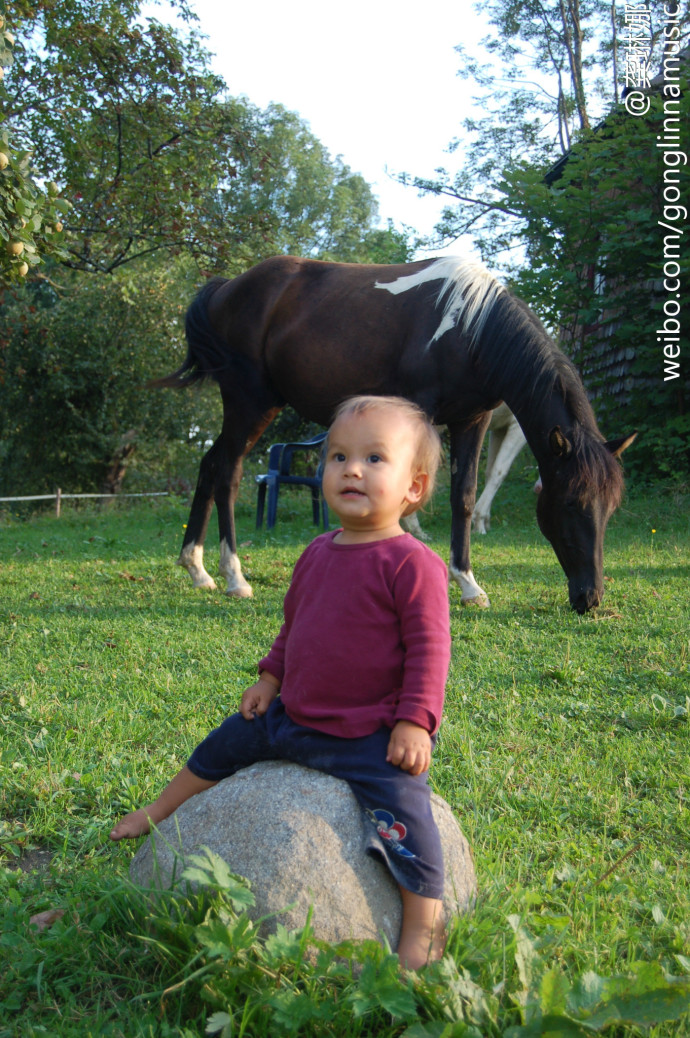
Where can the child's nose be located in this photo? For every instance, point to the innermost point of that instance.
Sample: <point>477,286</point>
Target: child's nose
<point>353,467</point>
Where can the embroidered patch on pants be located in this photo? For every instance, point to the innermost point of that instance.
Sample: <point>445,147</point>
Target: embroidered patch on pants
<point>391,831</point>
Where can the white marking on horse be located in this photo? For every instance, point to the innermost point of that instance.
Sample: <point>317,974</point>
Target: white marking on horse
<point>192,558</point>
<point>472,594</point>
<point>506,440</point>
<point>470,289</point>
<point>230,567</point>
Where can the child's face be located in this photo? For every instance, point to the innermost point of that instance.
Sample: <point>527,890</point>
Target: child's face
<point>369,476</point>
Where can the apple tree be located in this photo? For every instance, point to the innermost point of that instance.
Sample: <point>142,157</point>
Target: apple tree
<point>167,177</point>
<point>30,214</point>
<point>123,113</point>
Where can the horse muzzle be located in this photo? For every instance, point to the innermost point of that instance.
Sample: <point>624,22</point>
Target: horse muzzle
<point>582,599</point>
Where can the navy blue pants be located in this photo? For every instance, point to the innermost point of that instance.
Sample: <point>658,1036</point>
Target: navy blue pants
<point>397,804</point>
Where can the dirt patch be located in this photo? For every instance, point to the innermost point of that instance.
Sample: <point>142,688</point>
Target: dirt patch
<point>37,860</point>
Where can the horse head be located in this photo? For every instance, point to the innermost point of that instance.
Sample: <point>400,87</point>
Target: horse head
<point>582,485</point>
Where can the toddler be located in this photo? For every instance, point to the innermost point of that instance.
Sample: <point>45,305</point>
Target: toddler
<point>354,683</point>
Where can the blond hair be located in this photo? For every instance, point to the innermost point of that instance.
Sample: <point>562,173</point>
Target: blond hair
<point>428,447</point>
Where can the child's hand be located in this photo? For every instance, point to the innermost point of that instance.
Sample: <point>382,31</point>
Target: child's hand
<point>257,699</point>
<point>409,747</point>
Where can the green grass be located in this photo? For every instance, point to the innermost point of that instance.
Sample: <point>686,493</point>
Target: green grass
<point>564,754</point>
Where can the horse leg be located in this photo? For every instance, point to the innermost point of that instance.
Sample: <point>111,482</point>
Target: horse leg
<point>227,485</point>
<point>192,551</point>
<point>494,443</point>
<point>229,566</point>
<point>465,446</point>
<point>412,524</point>
<point>498,467</point>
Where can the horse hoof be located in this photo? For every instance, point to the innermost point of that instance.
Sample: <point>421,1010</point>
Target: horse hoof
<point>205,585</point>
<point>190,559</point>
<point>240,592</point>
<point>480,601</point>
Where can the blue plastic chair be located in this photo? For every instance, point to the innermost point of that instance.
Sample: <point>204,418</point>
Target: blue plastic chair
<point>280,458</point>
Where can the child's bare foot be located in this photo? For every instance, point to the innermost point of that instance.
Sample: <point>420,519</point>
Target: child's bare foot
<point>184,785</point>
<point>138,823</point>
<point>418,948</point>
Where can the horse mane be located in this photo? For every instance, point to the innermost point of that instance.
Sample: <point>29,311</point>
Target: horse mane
<point>598,472</point>
<point>471,291</point>
<point>511,347</point>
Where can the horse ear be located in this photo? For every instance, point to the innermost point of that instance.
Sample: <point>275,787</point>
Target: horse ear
<point>622,443</point>
<point>559,444</point>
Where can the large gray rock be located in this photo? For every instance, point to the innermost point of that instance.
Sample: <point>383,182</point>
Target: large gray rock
<point>299,837</point>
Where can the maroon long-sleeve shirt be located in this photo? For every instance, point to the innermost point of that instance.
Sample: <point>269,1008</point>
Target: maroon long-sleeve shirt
<point>366,637</point>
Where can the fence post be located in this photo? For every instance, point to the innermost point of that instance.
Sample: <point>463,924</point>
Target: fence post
<point>58,499</point>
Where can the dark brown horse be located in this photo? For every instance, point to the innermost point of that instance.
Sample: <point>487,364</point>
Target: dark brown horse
<point>442,332</point>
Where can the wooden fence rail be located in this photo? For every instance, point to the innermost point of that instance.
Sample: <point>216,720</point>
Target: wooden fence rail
<point>59,497</point>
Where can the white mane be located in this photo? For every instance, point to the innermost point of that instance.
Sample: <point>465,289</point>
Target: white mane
<point>469,286</point>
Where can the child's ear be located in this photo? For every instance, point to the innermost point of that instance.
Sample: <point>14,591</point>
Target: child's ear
<point>418,488</point>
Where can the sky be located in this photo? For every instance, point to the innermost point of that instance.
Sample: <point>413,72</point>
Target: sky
<point>376,81</point>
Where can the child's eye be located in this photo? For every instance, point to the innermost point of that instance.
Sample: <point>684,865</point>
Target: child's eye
<point>375,457</point>
<point>338,456</point>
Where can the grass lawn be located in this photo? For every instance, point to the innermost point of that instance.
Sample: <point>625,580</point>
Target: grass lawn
<point>564,754</point>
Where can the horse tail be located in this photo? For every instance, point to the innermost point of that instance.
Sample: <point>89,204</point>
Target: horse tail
<point>206,352</point>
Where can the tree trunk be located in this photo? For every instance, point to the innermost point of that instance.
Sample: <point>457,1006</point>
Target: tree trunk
<point>112,482</point>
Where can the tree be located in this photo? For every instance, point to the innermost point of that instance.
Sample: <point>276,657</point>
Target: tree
<point>30,215</point>
<point>605,269</point>
<point>287,195</point>
<point>126,117</point>
<point>74,369</point>
<point>555,72</point>
<point>160,167</point>
<point>561,188</point>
